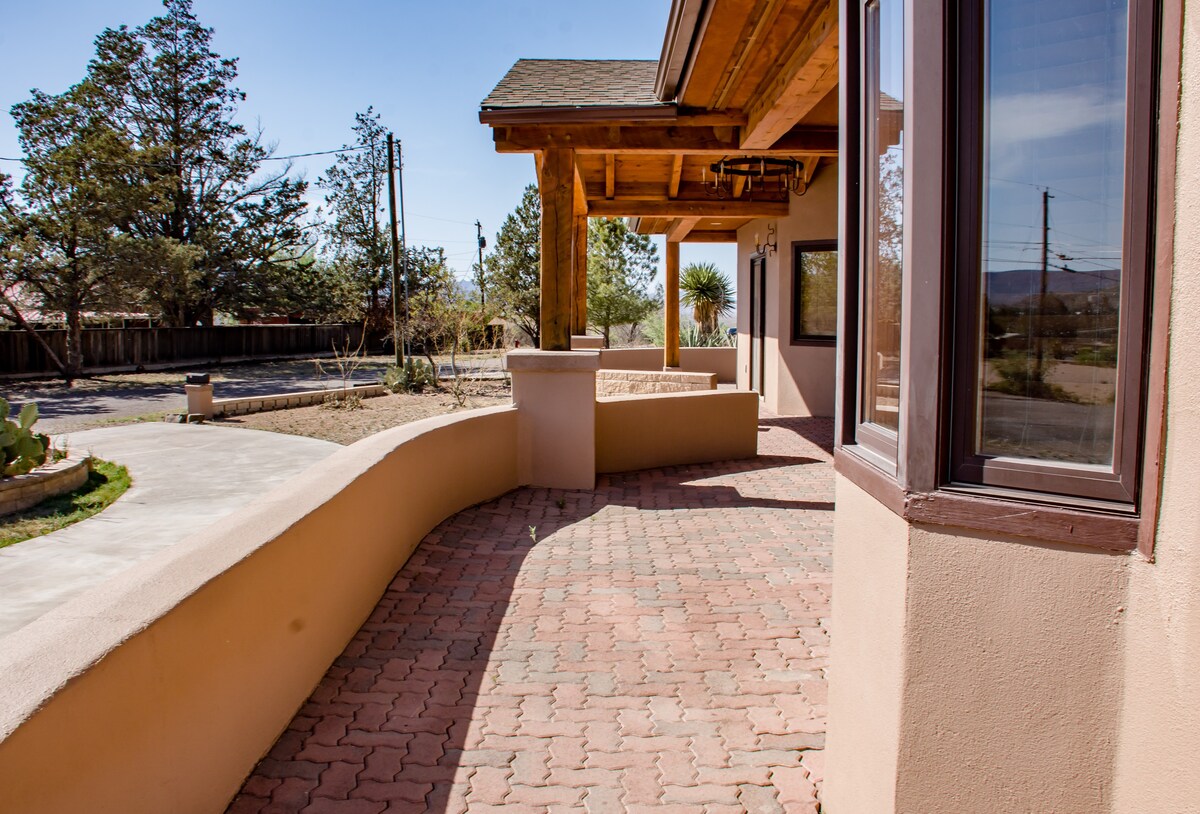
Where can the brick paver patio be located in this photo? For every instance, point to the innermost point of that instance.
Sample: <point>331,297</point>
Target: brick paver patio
<point>658,644</point>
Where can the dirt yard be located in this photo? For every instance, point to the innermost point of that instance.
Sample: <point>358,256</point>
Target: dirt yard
<point>345,426</point>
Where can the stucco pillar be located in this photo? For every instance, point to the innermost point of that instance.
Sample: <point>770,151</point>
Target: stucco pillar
<point>199,399</point>
<point>671,309</point>
<point>555,396</point>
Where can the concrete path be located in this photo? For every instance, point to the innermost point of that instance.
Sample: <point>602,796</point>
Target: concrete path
<point>185,477</point>
<point>656,645</point>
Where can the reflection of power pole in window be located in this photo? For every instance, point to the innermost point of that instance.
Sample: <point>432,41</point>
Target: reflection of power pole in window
<point>1040,351</point>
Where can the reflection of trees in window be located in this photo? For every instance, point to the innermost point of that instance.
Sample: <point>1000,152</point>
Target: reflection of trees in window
<point>814,313</point>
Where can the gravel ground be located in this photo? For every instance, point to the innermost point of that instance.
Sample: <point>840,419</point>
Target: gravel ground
<point>345,426</point>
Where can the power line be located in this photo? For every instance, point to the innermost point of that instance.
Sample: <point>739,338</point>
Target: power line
<point>171,166</point>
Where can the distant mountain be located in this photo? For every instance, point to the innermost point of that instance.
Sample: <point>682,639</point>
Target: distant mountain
<point>1017,286</point>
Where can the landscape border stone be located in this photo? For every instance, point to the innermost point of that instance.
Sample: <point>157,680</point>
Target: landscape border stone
<point>25,491</point>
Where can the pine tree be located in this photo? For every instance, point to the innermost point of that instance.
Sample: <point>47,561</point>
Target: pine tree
<point>621,266</point>
<point>514,267</point>
<point>356,238</point>
<point>169,93</point>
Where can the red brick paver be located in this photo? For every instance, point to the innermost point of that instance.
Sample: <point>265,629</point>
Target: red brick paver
<point>656,645</point>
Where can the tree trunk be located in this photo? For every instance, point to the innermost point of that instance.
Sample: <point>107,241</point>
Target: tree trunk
<point>74,344</point>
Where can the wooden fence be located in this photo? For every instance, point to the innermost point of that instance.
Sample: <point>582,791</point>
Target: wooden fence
<point>136,347</point>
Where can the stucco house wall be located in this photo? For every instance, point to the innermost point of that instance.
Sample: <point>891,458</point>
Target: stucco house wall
<point>799,379</point>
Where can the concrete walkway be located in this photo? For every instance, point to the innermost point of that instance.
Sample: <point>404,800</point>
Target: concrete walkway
<point>656,645</point>
<point>185,477</point>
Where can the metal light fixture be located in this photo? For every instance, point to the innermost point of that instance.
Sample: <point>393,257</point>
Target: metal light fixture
<point>772,243</point>
<point>772,175</point>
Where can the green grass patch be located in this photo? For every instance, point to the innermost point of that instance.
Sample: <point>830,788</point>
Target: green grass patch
<point>106,482</point>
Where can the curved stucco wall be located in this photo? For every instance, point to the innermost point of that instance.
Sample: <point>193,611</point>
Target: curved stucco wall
<point>159,691</point>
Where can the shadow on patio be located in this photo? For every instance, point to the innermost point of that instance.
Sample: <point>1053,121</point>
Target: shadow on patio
<point>658,642</point>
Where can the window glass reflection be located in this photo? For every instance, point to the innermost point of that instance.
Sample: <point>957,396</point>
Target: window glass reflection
<point>1053,187</point>
<point>885,191</point>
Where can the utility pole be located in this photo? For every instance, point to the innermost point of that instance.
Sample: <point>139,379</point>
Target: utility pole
<point>397,342</point>
<point>482,243</point>
<point>403,243</point>
<point>1041,305</point>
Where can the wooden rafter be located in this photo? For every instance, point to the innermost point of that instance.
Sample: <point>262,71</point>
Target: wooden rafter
<point>676,176</point>
<point>680,227</point>
<point>785,97</point>
<point>610,175</point>
<point>661,140</point>
<point>621,208</point>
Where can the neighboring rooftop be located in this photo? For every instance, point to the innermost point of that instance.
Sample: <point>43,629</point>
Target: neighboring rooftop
<point>573,83</point>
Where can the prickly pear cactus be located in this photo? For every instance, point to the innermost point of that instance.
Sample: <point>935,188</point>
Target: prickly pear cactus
<point>21,449</point>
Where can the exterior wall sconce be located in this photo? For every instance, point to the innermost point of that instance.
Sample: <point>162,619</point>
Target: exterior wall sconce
<point>772,243</point>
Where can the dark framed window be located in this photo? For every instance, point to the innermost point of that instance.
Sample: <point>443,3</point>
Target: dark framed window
<point>1034,262</point>
<point>814,292</point>
<point>1052,258</point>
<point>883,171</point>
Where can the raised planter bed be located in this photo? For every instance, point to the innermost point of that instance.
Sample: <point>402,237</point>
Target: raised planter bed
<point>24,491</point>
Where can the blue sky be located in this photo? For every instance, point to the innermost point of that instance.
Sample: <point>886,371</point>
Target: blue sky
<point>308,65</point>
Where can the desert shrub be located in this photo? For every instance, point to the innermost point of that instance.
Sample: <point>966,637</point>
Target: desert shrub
<point>413,377</point>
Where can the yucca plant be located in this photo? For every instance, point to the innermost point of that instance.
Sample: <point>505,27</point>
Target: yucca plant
<point>707,292</point>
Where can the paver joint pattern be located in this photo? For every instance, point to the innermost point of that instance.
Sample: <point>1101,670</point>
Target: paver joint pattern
<point>659,644</point>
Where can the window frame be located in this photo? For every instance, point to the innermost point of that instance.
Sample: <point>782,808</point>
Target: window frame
<point>916,483</point>
<point>1081,484</point>
<point>878,444</point>
<point>799,248</point>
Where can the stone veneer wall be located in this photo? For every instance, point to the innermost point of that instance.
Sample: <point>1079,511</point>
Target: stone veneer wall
<point>639,382</point>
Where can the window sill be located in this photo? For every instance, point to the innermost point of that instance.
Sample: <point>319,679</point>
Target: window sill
<point>1106,530</point>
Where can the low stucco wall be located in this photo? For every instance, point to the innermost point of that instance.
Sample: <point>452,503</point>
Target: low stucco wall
<point>639,382</point>
<point>159,691</point>
<point>642,432</point>
<point>722,361</point>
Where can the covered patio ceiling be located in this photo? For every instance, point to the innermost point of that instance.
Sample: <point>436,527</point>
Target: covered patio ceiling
<point>643,134</point>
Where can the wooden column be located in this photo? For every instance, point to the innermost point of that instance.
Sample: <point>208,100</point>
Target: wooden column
<point>580,305</point>
<point>671,315</point>
<point>558,225</point>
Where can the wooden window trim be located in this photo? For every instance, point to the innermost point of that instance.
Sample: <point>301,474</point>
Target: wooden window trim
<point>808,340</point>
<point>918,491</point>
<point>1117,484</point>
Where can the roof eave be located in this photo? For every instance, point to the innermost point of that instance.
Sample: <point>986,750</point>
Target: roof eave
<point>590,114</point>
<point>683,23</point>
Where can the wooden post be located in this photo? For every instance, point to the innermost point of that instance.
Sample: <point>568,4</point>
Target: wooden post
<point>671,315</point>
<point>579,281</point>
<point>558,193</point>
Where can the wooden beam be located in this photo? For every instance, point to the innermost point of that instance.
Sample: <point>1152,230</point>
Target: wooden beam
<point>810,72</point>
<point>621,208</point>
<point>671,307</point>
<point>580,191</point>
<point>712,236</point>
<point>739,185</point>
<point>610,175</point>
<point>676,176</point>
<point>661,140</point>
<point>579,276</point>
<point>558,223</point>
<point>679,228</point>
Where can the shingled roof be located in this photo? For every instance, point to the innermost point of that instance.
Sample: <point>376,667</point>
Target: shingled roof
<point>575,83</point>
